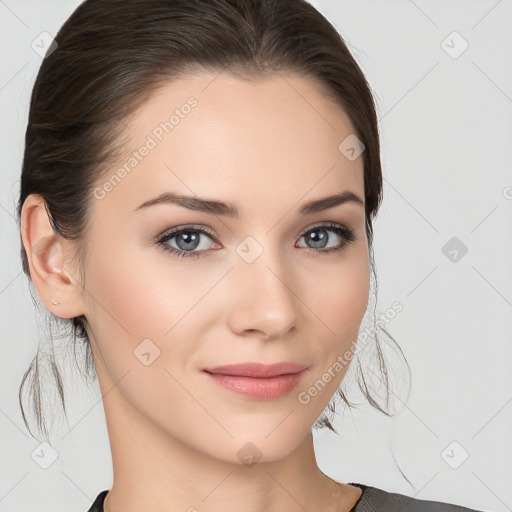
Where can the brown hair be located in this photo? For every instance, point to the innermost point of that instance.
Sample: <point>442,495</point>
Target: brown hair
<point>112,55</point>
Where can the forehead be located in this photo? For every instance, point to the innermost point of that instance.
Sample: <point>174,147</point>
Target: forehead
<point>221,136</point>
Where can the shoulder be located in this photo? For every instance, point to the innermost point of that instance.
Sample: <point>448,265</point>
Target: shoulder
<point>97,506</point>
<point>375,499</point>
<point>372,499</point>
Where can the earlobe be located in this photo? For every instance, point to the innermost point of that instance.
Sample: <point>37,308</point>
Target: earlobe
<point>46,259</point>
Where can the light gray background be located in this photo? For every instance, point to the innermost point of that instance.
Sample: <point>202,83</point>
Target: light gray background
<point>446,148</point>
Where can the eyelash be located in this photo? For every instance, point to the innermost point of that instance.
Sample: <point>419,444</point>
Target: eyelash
<point>346,234</point>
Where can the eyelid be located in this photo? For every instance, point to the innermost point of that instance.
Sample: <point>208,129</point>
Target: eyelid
<point>324,224</point>
<point>201,227</point>
<point>185,227</point>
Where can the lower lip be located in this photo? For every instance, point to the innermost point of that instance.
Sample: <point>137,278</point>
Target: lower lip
<point>259,388</point>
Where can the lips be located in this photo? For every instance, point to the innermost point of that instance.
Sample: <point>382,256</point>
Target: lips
<point>257,370</point>
<point>258,381</point>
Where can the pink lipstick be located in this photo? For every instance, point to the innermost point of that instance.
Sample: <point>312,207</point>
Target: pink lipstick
<point>258,381</point>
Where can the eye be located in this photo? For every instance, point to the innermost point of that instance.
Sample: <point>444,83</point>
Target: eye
<point>318,236</point>
<point>187,239</point>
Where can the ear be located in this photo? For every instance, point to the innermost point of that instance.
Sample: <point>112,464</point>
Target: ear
<point>54,277</point>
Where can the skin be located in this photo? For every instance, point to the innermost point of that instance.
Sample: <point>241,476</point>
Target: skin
<point>268,147</point>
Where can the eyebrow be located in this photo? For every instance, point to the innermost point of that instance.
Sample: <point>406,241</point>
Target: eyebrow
<point>230,210</point>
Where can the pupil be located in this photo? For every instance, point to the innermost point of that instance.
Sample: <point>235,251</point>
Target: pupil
<point>188,238</point>
<point>320,237</point>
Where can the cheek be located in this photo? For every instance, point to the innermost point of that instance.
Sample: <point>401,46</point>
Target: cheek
<point>340,297</point>
<point>136,293</point>
<point>143,304</point>
<point>339,307</point>
<point>136,321</point>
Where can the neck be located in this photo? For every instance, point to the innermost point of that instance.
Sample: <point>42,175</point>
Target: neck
<point>155,471</point>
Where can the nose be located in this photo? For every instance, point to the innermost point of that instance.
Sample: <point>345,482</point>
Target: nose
<point>263,300</point>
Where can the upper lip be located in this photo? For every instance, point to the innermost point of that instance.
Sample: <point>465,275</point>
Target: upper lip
<point>257,369</point>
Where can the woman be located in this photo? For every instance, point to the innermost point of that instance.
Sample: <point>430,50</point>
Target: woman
<point>197,195</point>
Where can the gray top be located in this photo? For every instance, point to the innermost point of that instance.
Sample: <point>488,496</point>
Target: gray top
<point>372,500</point>
<point>377,500</point>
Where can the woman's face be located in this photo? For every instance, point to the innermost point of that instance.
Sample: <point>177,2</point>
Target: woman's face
<point>266,285</point>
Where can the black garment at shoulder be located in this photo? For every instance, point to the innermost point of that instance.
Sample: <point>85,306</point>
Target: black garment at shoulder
<point>371,500</point>
<point>377,500</point>
<point>97,506</point>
